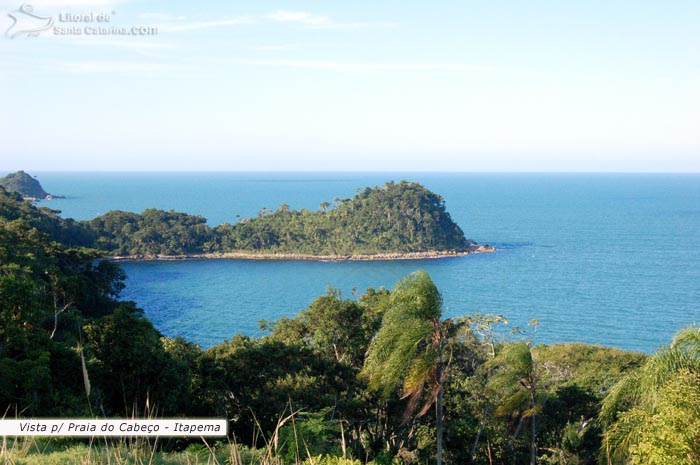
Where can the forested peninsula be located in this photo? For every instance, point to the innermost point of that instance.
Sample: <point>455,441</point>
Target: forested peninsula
<point>396,220</point>
<point>401,220</point>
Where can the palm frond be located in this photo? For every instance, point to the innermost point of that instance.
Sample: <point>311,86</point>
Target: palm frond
<point>624,394</point>
<point>637,394</point>
<point>515,402</point>
<point>421,371</point>
<point>624,433</point>
<point>419,296</point>
<point>392,352</point>
<point>430,398</point>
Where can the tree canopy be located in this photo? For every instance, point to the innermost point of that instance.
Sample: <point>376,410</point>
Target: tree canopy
<point>394,218</point>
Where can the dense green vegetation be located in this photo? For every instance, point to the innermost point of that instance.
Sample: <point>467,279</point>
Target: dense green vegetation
<point>153,232</point>
<point>66,231</point>
<point>396,217</point>
<point>58,304</point>
<point>381,378</point>
<point>653,414</point>
<point>23,184</point>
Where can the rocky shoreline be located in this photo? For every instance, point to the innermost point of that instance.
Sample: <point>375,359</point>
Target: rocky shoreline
<point>308,257</point>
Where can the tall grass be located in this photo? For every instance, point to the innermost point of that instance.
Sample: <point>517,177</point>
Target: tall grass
<point>145,451</point>
<point>31,451</point>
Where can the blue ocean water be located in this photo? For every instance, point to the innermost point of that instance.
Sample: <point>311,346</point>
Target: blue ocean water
<point>611,259</point>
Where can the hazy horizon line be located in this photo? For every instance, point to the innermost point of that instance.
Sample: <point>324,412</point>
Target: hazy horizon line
<point>229,171</point>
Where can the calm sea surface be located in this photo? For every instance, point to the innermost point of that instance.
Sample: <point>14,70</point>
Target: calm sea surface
<point>600,258</point>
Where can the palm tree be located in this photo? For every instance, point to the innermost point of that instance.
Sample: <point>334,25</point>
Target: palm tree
<point>633,399</point>
<point>409,348</point>
<point>517,380</point>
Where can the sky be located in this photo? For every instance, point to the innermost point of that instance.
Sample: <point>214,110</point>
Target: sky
<point>131,85</point>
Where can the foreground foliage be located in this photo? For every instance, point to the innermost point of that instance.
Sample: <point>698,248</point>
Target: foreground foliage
<point>344,378</point>
<point>653,414</point>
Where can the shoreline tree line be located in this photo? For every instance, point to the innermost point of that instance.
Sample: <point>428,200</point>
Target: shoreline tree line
<point>398,217</point>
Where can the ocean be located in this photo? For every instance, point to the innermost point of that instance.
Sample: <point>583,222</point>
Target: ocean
<point>610,259</point>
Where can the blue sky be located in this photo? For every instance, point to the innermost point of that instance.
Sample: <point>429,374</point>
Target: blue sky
<point>356,86</point>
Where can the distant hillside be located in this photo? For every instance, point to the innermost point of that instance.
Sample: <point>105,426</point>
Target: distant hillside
<point>23,184</point>
<point>402,217</point>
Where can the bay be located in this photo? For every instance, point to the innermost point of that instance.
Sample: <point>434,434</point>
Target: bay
<point>610,259</point>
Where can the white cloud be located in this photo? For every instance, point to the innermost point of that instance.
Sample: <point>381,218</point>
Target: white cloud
<point>114,67</point>
<point>274,48</point>
<point>365,25</point>
<point>128,44</point>
<point>298,17</point>
<point>167,22</point>
<point>178,27</point>
<point>161,17</point>
<point>314,21</point>
<point>365,67</point>
<point>140,47</point>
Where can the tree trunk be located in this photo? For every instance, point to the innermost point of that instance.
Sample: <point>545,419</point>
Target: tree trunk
<point>533,438</point>
<point>511,442</point>
<point>438,408</point>
<point>478,434</point>
<point>533,443</point>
